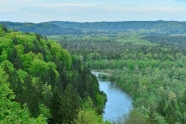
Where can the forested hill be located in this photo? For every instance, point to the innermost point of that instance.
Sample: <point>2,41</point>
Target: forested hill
<point>40,81</point>
<point>41,28</point>
<point>62,27</point>
<point>163,26</point>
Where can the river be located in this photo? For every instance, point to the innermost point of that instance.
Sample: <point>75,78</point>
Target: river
<point>118,101</point>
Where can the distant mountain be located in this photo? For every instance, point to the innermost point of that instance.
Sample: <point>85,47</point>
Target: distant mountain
<point>65,27</point>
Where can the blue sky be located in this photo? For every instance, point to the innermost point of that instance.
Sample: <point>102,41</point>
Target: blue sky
<point>91,10</point>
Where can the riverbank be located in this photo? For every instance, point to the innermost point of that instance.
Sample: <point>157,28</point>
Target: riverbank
<point>108,76</point>
<point>118,101</point>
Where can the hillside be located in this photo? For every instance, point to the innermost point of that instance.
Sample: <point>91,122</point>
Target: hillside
<point>41,28</point>
<point>146,59</point>
<point>61,27</point>
<point>41,81</point>
<point>157,26</point>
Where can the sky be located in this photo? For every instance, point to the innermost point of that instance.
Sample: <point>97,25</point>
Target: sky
<point>92,10</point>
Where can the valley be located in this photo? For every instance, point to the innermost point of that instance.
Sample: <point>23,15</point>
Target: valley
<point>144,59</point>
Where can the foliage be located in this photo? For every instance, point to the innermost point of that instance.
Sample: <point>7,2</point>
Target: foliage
<point>11,111</point>
<point>135,117</point>
<point>146,59</point>
<point>150,67</point>
<point>44,83</point>
<point>60,27</point>
<point>41,28</point>
<point>88,116</point>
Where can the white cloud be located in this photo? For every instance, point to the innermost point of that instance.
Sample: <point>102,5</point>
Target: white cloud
<point>35,5</point>
<point>111,8</point>
<point>4,10</point>
<point>64,5</point>
<point>41,10</point>
<point>153,9</point>
<point>16,2</point>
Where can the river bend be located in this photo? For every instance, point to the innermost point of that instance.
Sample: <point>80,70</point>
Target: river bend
<point>118,101</point>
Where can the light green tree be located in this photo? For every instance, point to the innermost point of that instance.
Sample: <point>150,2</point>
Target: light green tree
<point>88,116</point>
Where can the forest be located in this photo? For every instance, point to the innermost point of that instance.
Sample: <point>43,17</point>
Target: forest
<point>41,82</point>
<point>65,27</point>
<point>151,68</point>
<point>43,75</point>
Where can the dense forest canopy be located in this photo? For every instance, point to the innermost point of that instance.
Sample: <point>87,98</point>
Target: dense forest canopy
<point>145,58</point>
<point>42,82</point>
<point>151,68</point>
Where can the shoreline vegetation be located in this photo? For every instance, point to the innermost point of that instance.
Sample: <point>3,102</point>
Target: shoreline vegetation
<point>150,67</point>
<point>147,60</point>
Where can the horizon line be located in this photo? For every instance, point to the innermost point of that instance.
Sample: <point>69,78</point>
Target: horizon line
<point>95,21</point>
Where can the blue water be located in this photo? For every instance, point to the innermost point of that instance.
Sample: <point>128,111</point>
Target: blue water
<point>118,101</point>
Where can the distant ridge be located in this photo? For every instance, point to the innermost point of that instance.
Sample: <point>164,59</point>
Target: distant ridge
<point>65,27</point>
<point>41,28</point>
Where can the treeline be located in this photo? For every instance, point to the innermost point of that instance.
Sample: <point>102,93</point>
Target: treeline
<point>42,82</point>
<point>152,26</point>
<point>41,28</point>
<point>61,27</point>
<point>105,52</point>
<point>150,68</point>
